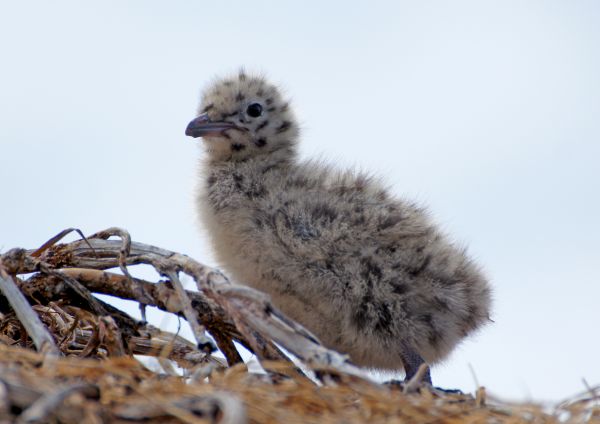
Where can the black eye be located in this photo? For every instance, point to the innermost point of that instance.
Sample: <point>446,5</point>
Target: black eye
<point>254,110</point>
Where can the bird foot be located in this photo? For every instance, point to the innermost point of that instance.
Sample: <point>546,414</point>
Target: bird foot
<point>417,388</point>
<point>414,381</point>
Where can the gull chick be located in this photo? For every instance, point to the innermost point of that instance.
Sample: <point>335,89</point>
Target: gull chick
<point>366,272</point>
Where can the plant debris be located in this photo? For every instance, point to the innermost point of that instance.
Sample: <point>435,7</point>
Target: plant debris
<point>67,356</point>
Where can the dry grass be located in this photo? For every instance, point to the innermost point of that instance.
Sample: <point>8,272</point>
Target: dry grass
<point>123,390</point>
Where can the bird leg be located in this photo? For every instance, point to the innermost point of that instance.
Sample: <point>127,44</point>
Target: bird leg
<point>415,376</point>
<point>412,361</point>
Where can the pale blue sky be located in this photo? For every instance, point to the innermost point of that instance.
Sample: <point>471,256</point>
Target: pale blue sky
<point>487,111</point>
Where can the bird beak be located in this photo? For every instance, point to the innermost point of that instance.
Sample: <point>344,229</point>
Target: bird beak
<point>203,126</point>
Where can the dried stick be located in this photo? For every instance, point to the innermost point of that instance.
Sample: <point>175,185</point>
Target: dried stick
<point>37,331</point>
<point>252,312</point>
<point>160,295</point>
<point>203,342</point>
<point>123,253</point>
<point>125,244</point>
<point>228,407</point>
<point>46,406</point>
<point>255,309</point>
<point>56,239</point>
<point>76,286</point>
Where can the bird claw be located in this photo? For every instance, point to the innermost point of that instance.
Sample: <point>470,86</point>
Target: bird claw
<point>419,379</point>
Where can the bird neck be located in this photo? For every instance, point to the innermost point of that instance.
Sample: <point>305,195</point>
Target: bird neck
<point>251,170</point>
<point>281,159</point>
<point>231,187</point>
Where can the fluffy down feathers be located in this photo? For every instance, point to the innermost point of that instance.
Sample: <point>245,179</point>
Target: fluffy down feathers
<point>368,273</point>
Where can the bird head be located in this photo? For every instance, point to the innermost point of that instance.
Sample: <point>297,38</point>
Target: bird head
<point>243,117</point>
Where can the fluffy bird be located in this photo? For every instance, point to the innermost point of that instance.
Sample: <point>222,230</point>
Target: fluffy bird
<point>366,272</point>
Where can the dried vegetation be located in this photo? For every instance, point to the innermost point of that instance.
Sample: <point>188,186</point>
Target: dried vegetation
<point>66,356</point>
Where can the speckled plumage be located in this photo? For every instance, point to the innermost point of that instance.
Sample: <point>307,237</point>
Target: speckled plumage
<point>366,272</point>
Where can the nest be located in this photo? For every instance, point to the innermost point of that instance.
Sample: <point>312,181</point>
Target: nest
<point>66,356</point>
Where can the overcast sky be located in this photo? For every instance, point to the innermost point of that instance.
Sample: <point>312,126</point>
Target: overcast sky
<point>486,111</point>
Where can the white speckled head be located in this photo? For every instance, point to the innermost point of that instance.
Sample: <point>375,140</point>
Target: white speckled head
<point>244,116</point>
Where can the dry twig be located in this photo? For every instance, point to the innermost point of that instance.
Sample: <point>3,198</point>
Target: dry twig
<point>34,327</point>
<point>244,305</point>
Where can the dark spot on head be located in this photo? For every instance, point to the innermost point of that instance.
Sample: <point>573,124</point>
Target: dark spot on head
<point>240,96</point>
<point>236,147</point>
<point>284,127</point>
<point>211,180</point>
<point>242,76</point>
<point>285,107</point>
<point>269,101</point>
<point>208,107</point>
<point>271,109</point>
<point>234,113</point>
<point>262,125</point>
<point>261,142</point>
<point>260,92</point>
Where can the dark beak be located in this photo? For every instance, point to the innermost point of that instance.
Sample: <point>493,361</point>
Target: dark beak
<point>203,126</point>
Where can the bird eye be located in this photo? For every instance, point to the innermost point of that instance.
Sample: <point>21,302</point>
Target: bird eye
<point>254,110</point>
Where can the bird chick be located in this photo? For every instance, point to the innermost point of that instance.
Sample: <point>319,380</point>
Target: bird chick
<point>367,273</point>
